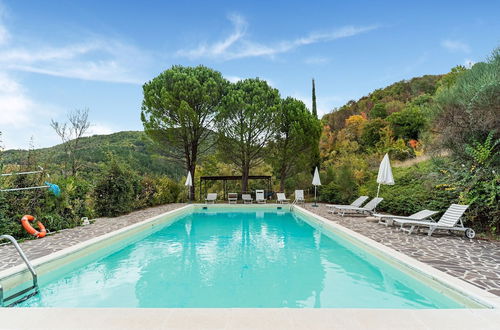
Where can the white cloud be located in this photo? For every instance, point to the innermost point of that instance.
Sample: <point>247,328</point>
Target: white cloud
<point>21,117</point>
<point>97,59</point>
<point>236,45</point>
<point>233,79</point>
<point>14,104</point>
<point>4,33</point>
<point>316,60</point>
<point>455,46</point>
<point>100,129</point>
<point>469,63</point>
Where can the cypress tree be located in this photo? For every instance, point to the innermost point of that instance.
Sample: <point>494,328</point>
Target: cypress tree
<point>314,110</point>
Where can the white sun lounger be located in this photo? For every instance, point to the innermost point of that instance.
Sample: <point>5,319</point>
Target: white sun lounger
<point>368,208</point>
<point>357,203</point>
<point>388,219</point>
<point>299,196</point>
<point>211,198</point>
<point>232,198</point>
<point>282,198</point>
<point>451,220</point>
<point>247,198</point>
<point>259,197</point>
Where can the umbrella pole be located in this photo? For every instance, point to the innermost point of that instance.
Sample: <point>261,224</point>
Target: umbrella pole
<point>315,205</point>
<point>378,189</point>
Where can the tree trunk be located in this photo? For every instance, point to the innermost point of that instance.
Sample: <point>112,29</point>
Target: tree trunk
<point>191,156</point>
<point>244,180</point>
<point>191,189</point>
<point>282,178</point>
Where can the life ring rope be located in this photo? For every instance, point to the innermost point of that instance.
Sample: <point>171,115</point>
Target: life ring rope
<point>25,222</point>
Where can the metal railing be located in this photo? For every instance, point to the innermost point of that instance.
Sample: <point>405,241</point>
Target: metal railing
<point>33,274</point>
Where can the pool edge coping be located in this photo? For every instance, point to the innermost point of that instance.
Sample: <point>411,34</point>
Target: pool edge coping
<point>487,299</point>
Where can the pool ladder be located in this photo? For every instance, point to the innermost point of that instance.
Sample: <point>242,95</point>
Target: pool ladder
<point>33,288</point>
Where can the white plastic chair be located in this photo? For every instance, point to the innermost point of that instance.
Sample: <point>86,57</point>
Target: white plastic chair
<point>211,198</point>
<point>282,198</point>
<point>299,196</point>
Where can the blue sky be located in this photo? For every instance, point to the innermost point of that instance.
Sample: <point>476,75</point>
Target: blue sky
<point>56,56</point>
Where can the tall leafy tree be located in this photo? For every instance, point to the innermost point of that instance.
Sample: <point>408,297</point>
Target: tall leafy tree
<point>179,110</point>
<point>314,109</point>
<point>246,122</point>
<point>297,135</point>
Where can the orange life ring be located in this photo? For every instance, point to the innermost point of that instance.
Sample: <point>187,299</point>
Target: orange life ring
<point>25,222</point>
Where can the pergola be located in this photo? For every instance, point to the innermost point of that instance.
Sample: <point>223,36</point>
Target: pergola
<point>225,178</point>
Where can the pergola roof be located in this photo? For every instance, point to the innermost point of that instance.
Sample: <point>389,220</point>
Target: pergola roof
<point>233,177</point>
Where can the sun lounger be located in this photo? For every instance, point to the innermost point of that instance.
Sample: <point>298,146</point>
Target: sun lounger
<point>232,198</point>
<point>357,203</point>
<point>259,197</point>
<point>247,198</point>
<point>451,220</point>
<point>299,196</point>
<point>369,208</point>
<point>282,198</point>
<point>388,219</point>
<point>211,198</point>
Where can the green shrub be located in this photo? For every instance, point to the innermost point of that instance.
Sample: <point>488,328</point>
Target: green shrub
<point>342,189</point>
<point>147,190</point>
<point>418,187</point>
<point>115,190</point>
<point>168,191</point>
<point>408,123</point>
<point>372,133</point>
<point>378,111</point>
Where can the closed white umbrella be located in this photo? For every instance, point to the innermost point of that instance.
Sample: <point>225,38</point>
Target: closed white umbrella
<point>189,183</point>
<point>384,173</point>
<point>316,182</point>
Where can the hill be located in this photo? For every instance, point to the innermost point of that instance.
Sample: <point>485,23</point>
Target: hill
<point>133,148</point>
<point>393,97</point>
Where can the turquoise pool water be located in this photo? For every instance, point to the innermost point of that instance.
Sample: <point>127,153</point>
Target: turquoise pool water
<point>238,259</point>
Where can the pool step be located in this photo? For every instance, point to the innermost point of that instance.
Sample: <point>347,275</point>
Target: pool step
<point>21,294</point>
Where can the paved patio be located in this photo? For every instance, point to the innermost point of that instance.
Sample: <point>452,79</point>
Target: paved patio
<point>475,261</point>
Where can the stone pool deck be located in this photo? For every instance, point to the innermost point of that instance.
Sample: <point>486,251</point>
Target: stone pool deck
<point>475,261</point>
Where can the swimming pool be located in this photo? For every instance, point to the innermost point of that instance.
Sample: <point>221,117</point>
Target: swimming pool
<point>238,257</point>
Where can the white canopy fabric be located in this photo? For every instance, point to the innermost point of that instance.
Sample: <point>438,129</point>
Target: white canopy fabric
<point>384,173</point>
<point>316,181</point>
<point>189,180</point>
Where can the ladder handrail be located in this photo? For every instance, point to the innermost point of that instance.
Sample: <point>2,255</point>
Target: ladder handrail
<point>23,256</point>
<point>26,261</point>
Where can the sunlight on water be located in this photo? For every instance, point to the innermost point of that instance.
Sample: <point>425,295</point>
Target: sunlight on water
<point>238,259</point>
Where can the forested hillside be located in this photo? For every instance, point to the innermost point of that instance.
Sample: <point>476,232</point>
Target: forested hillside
<point>455,114</point>
<point>129,147</point>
